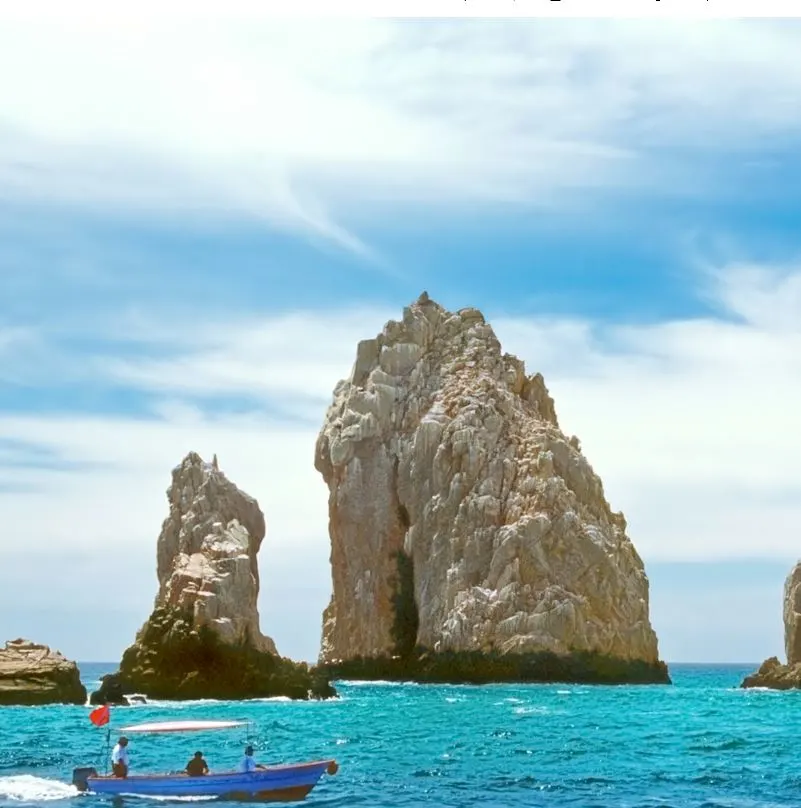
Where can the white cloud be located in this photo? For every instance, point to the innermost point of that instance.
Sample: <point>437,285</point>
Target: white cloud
<point>294,356</point>
<point>308,125</point>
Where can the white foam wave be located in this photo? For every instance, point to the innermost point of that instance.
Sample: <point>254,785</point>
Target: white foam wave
<point>376,683</point>
<point>531,710</point>
<point>188,703</point>
<point>27,788</point>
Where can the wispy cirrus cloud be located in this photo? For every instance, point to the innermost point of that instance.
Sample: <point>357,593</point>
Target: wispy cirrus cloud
<point>291,357</point>
<point>314,127</point>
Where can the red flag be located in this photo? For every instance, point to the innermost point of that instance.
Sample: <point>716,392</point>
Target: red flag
<point>100,716</point>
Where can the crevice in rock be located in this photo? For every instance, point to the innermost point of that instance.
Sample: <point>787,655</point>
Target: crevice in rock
<point>407,620</point>
<point>403,517</point>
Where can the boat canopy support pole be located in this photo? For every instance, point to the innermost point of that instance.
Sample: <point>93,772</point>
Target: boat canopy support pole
<point>107,751</point>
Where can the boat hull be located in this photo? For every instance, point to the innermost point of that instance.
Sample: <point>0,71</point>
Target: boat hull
<point>289,783</point>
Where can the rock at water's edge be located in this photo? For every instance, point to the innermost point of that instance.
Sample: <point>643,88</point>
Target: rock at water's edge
<point>465,524</point>
<point>110,691</point>
<point>772,673</point>
<point>477,667</point>
<point>203,638</point>
<point>31,674</point>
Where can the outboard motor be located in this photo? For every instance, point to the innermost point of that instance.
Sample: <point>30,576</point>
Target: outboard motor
<point>80,775</point>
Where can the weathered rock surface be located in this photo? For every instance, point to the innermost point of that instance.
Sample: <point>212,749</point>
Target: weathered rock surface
<point>111,691</point>
<point>203,638</point>
<point>792,616</point>
<point>34,674</point>
<point>464,522</point>
<point>772,673</point>
<point>207,553</point>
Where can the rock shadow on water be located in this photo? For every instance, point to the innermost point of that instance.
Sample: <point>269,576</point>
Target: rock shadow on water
<point>477,667</point>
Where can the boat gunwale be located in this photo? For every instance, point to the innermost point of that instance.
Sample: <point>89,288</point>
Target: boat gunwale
<point>265,770</point>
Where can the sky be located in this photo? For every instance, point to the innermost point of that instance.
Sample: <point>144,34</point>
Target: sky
<point>200,219</point>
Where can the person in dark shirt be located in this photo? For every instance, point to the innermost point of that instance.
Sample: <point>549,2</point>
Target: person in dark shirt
<point>197,766</point>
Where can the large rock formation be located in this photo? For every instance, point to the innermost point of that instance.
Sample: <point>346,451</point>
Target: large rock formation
<point>207,553</point>
<point>33,674</point>
<point>470,538</point>
<point>203,637</point>
<point>772,673</point>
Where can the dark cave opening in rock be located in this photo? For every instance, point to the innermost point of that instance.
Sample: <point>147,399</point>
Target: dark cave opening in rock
<point>406,621</point>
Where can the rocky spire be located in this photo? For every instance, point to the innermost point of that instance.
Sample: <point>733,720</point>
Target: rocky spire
<point>202,639</point>
<point>207,553</point>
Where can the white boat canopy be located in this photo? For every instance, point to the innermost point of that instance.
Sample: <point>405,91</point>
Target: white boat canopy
<point>182,726</point>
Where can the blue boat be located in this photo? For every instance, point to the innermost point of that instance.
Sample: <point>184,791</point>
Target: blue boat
<point>285,783</point>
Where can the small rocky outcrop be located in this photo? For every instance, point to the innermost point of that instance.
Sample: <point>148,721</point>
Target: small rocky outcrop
<point>775,675</point>
<point>31,673</point>
<point>772,673</point>
<point>203,639</point>
<point>470,538</point>
<point>111,691</point>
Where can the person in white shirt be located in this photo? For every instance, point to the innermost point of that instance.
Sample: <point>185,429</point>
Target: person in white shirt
<point>248,763</point>
<point>119,758</point>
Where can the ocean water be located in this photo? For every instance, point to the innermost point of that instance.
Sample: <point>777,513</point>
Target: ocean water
<point>701,742</point>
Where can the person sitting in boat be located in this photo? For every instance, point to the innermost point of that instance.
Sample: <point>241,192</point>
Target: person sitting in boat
<point>197,766</point>
<point>119,758</point>
<point>248,763</point>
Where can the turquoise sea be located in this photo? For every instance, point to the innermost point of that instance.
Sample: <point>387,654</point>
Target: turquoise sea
<point>701,742</point>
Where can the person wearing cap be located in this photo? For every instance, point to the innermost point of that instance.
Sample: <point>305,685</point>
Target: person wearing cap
<point>197,767</point>
<point>248,763</point>
<point>119,758</point>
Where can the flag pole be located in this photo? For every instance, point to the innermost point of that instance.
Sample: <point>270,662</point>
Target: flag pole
<point>108,746</point>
